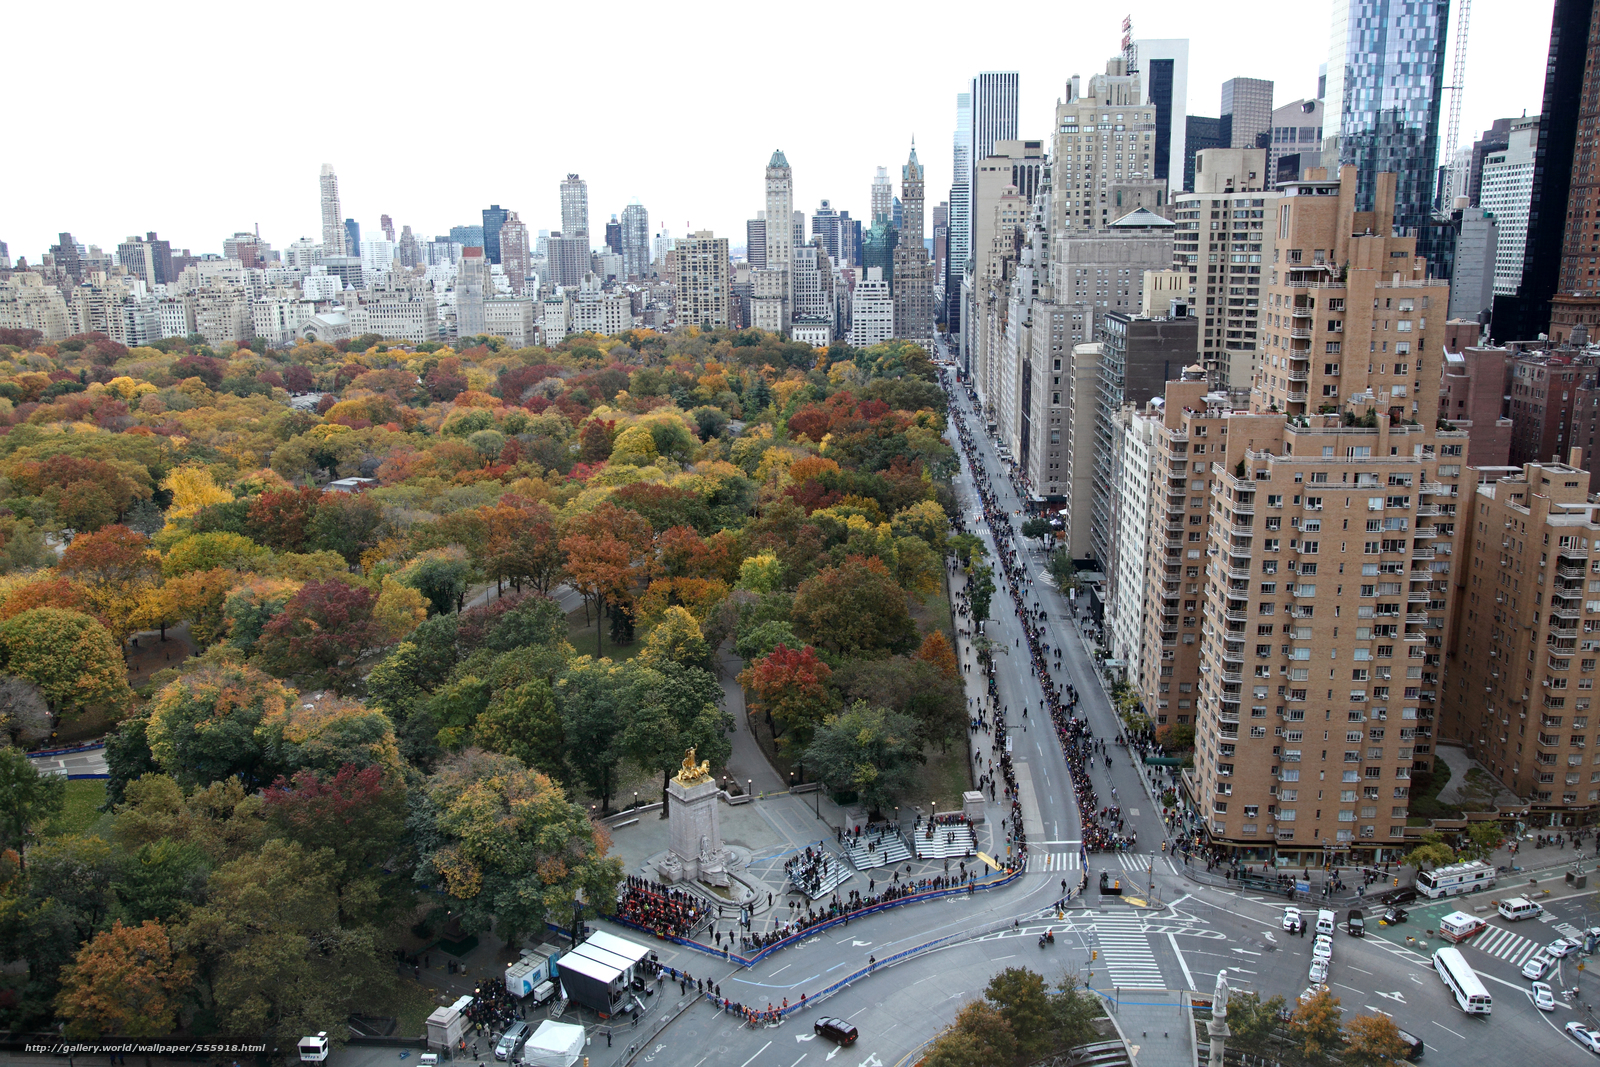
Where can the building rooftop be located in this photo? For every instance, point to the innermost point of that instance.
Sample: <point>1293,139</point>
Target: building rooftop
<point>1143,218</point>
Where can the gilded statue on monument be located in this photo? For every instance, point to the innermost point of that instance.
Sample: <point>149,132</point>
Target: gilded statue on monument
<point>693,773</point>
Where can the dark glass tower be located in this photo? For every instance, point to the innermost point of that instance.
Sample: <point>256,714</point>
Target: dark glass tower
<point>494,217</point>
<point>1386,79</point>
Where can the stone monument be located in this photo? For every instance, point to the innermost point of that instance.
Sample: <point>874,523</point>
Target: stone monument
<point>694,831</point>
<point>1217,1028</point>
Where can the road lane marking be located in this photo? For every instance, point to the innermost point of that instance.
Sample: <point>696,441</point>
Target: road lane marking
<point>1176,951</point>
<point>1446,1029</point>
<point>759,1051</point>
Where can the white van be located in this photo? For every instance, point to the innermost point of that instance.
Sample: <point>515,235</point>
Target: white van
<point>1518,908</point>
<point>1325,921</point>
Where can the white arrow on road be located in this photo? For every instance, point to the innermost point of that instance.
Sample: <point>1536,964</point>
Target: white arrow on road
<point>1391,996</point>
<point>872,1061</point>
<point>860,944</point>
<point>805,1037</point>
<point>834,1053</point>
<point>1246,951</point>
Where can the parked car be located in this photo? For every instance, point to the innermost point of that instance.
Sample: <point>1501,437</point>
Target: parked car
<point>1543,997</point>
<point>1322,948</point>
<point>1319,970</point>
<point>1312,991</point>
<point>1563,947</point>
<point>1395,915</point>
<point>511,1042</point>
<point>1291,919</point>
<point>1589,1039</point>
<point>1537,966</point>
<point>1355,923</point>
<point>1413,1046</point>
<point>1406,894</point>
<point>836,1030</point>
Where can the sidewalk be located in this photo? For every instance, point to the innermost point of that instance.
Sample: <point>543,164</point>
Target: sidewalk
<point>1157,1025</point>
<point>747,763</point>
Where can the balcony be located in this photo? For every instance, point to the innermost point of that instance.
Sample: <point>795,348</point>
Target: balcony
<point>1233,676</point>
<point>1300,333</point>
<point>1425,531</point>
<point>1570,572</point>
<point>1432,489</point>
<point>1237,616</point>
<point>1421,597</point>
<point>1299,376</point>
<point>1295,396</point>
<point>1422,553</point>
<point>1427,510</point>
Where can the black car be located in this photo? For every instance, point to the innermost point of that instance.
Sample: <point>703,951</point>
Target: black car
<point>1356,923</point>
<point>1406,894</point>
<point>836,1030</point>
<point>1414,1046</point>
<point>1395,915</point>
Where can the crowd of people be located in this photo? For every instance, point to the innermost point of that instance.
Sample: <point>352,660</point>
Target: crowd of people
<point>870,837</point>
<point>492,1010</point>
<point>808,871</point>
<point>667,911</point>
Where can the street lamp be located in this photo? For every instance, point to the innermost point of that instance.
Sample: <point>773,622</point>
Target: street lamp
<point>749,787</point>
<point>791,782</point>
<point>636,799</point>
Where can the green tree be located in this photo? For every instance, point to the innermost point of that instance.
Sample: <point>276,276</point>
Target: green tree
<point>1483,838</point>
<point>934,699</point>
<point>506,846</point>
<point>1036,527</point>
<point>677,638</point>
<point>669,709</point>
<point>592,717</point>
<point>1063,570</point>
<point>160,880</point>
<point>1433,849</point>
<point>1253,1020</point>
<point>754,642</point>
<point>214,723</point>
<point>273,955</point>
<point>869,751</point>
<point>1023,1000</point>
<point>441,575</point>
<point>979,1037</point>
<point>981,591</point>
<point>524,722</point>
<point>27,798</point>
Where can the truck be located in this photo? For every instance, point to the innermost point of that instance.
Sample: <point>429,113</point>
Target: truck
<point>536,967</point>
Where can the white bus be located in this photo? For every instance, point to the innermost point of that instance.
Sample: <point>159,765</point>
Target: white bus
<point>1471,996</point>
<point>1455,879</point>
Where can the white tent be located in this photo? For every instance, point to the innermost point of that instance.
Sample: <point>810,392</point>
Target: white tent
<point>554,1045</point>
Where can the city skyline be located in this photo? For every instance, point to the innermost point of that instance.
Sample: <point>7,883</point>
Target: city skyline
<point>833,160</point>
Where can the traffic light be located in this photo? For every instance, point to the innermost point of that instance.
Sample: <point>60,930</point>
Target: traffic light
<point>1094,954</point>
<point>1397,882</point>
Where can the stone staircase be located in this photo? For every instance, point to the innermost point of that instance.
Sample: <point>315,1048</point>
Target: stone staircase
<point>886,849</point>
<point>949,841</point>
<point>836,873</point>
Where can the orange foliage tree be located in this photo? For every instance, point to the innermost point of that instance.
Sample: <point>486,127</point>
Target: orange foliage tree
<point>128,981</point>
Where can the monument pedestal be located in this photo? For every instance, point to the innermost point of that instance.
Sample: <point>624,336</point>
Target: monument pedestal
<point>694,835</point>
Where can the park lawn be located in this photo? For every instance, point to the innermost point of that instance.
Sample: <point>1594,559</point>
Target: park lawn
<point>581,634</point>
<point>81,813</point>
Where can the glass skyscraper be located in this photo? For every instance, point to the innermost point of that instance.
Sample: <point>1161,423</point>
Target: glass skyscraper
<point>1385,81</point>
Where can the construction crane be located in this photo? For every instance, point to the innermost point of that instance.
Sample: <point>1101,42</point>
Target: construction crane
<point>1458,76</point>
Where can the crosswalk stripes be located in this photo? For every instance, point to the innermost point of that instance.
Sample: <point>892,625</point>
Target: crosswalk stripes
<point>1503,944</point>
<point>1133,861</point>
<point>1053,861</point>
<point>1125,950</point>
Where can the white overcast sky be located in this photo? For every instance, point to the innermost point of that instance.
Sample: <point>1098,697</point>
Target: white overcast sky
<point>200,119</point>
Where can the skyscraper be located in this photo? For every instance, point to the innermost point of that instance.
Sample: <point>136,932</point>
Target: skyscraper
<point>994,110</point>
<point>1164,65</point>
<point>703,277</point>
<point>575,207</point>
<point>147,258</point>
<point>1246,111</point>
<point>1567,70</point>
<point>913,288</point>
<point>882,196</point>
<point>635,239</point>
<point>755,241</point>
<point>1385,80</point>
<point>780,238</point>
<point>352,237</point>
<point>825,224</point>
<point>1199,134</point>
<point>386,224</point>
<point>614,235</point>
<point>515,254</point>
<point>1506,192</point>
<point>332,228</point>
<point>494,217</point>
<point>960,212</point>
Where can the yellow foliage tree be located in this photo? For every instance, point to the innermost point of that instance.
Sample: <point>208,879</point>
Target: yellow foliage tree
<point>192,488</point>
<point>399,610</point>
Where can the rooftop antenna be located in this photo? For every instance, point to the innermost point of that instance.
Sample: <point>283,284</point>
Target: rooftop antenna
<point>1458,75</point>
<point>1130,51</point>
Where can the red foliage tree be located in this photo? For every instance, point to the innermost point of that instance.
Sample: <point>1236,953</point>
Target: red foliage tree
<point>322,633</point>
<point>281,518</point>
<point>791,688</point>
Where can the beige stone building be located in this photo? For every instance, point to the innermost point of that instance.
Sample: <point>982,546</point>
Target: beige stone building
<point>703,280</point>
<point>1519,688</point>
<point>1349,308</point>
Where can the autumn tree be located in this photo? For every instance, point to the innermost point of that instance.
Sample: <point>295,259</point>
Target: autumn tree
<point>605,552</point>
<point>281,518</point>
<point>358,815</point>
<point>935,701</point>
<point>979,1037</point>
<point>1253,1020</point>
<point>128,981</point>
<point>118,571</point>
<point>69,656</point>
<point>321,634</point>
<point>507,847</point>
<point>791,689</point>
<point>854,608</point>
<point>936,650</point>
<point>441,575</point>
<point>160,880</point>
<point>1373,1041</point>
<point>677,638</point>
<point>347,523</point>
<point>212,723</point>
<point>210,551</point>
<point>1316,1027</point>
<point>668,709</point>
